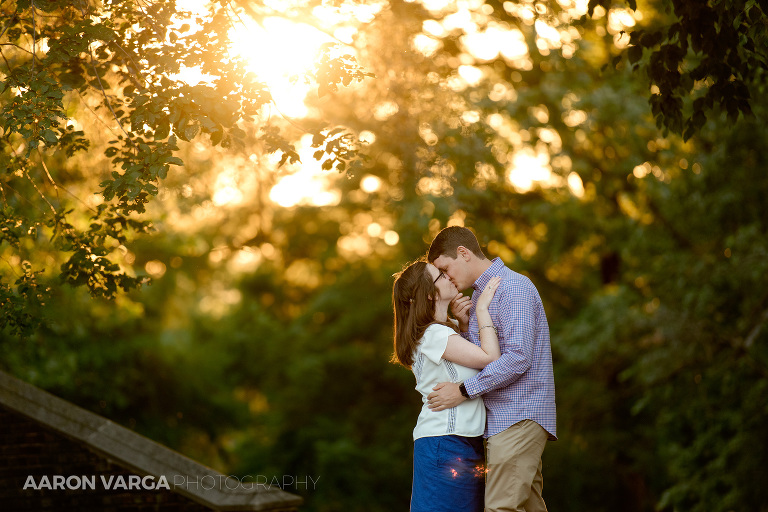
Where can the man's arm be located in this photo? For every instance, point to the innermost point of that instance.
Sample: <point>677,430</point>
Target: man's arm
<point>516,320</point>
<point>445,395</point>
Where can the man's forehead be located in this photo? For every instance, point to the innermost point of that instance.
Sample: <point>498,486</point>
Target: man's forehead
<point>442,261</point>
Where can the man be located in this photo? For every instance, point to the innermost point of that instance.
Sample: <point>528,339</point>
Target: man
<point>519,388</point>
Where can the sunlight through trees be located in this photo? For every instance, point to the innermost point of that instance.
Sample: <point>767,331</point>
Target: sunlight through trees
<point>202,205</point>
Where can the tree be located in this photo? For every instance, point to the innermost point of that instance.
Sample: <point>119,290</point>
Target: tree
<point>121,60</point>
<point>704,58</point>
<point>648,250</point>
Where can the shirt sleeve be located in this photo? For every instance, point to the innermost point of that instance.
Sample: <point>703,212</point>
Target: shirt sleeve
<point>515,322</point>
<point>435,341</point>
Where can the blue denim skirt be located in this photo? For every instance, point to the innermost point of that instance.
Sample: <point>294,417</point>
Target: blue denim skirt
<point>448,474</point>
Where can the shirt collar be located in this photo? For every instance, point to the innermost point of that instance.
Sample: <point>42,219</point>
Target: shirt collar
<point>493,270</point>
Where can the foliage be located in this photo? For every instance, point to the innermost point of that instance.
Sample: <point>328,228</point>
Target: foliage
<point>22,303</point>
<point>702,61</point>
<point>122,60</point>
<point>261,346</point>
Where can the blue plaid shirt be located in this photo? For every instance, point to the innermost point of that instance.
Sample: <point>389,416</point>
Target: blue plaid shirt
<point>520,384</point>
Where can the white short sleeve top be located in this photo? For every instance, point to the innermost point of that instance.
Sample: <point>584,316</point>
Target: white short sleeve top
<point>468,418</point>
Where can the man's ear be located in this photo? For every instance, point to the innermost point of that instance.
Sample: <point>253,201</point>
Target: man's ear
<point>464,253</point>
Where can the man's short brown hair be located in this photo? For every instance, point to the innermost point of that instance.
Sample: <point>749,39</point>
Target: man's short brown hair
<point>448,241</point>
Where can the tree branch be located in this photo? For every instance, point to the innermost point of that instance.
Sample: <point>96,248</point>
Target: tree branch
<point>47,173</point>
<point>42,196</point>
<point>274,103</point>
<point>10,20</point>
<point>136,67</point>
<point>24,198</point>
<point>13,268</point>
<point>8,64</point>
<point>249,9</point>
<point>22,49</point>
<point>755,332</point>
<point>106,99</point>
<point>45,167</point>
<point>34,35</point>
<point>85,102</point>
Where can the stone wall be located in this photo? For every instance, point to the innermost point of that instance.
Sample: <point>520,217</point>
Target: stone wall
<point>27,448</point>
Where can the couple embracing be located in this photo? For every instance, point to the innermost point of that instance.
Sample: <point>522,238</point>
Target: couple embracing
<point>485,378</point>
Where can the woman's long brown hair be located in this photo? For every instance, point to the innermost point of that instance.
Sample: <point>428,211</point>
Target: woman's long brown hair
<point>413,301</point>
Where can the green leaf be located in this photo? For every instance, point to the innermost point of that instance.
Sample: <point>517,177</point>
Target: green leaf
<point>50,136</point>
<point>216,136</point>
<point>162,131</point>
<point>190,131</point>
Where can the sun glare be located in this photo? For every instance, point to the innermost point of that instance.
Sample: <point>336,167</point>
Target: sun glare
<point>529,168</point>
<point>309,185</point>
<point>226,189</point>
<point>278,51</point>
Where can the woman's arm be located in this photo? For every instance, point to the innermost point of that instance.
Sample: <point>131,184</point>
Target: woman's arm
<point>466,353</point>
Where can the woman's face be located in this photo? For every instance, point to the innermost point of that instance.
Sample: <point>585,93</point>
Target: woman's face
<point>445,288</point>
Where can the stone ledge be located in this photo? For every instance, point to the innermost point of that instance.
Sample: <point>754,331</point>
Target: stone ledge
<point>135,452</point>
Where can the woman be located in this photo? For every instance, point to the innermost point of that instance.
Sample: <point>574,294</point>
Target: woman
<point>448,447</point>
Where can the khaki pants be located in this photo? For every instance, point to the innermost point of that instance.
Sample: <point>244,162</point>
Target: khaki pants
<point>514,481</point>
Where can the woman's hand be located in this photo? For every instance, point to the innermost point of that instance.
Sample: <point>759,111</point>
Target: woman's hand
<point>460,306</point>
<point>485,298</point>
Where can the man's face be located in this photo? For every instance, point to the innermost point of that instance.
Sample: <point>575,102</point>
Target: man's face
<point>455,269</point>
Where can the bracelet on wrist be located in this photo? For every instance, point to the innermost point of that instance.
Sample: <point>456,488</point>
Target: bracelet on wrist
<point>490,326</point>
